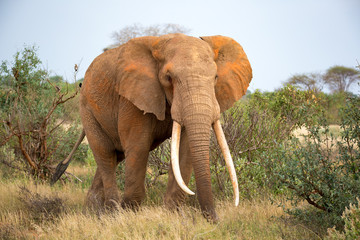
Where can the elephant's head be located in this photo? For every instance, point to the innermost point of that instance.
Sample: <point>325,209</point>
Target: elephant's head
<point>199,78</point>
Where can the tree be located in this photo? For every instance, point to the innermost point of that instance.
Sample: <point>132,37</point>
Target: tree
<point>340,78</point>
<point>31,111</point>
<point>136,30</point>
<point>308,82</point>
<point>56,79</point>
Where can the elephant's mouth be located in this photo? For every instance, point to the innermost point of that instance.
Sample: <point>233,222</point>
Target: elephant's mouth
<point>175,143</point>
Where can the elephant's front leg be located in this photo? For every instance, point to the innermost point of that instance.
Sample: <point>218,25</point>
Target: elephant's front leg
<point>135,170</point>
<point>174,195</point>
<point>136,139</point>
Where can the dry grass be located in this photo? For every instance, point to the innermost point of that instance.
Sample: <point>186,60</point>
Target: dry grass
<point>334,129</point>
<point>258,219</point>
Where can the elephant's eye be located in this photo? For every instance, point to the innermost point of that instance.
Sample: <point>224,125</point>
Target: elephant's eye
<point>216,78</point>
<point>169,79</point>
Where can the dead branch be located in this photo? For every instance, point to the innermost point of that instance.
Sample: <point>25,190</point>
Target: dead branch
<point>26,155</point>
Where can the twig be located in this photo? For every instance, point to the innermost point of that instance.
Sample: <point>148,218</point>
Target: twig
<point>6,139</point>
<point>73,176</point>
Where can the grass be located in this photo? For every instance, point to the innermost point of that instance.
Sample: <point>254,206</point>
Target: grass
<point>30,210</point>
<point>333,129</point>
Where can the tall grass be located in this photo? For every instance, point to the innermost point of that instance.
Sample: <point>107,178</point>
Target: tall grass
<point>33,218</point>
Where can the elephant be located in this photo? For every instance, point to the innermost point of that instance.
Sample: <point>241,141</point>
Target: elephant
<point>149,89</point>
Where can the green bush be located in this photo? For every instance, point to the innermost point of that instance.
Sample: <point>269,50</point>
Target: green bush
<point>32,113</point>
<point>332,104</point>
<point>254,127</point>
<point>351,218</point>
<point>321,169</point>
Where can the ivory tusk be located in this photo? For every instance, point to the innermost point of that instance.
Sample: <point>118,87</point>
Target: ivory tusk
<point>175,144</point>
<point>228,159</point>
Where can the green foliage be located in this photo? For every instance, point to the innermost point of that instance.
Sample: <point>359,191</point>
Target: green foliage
<point>33,115</point>
<point>350,122</point>
<point>321,169</point>
<point>253,128</point>
<point>351,217</point>
<point>332,103</point>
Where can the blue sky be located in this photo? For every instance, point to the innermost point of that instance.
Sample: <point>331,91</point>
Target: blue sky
<point>281,37</point>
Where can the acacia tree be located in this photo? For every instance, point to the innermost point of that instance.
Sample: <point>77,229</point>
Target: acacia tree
<point>309,82</point>
<point>340,78</point>
<point>137,30</point>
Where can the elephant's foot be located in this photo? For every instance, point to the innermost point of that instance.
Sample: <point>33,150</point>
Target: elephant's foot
<point>112,201</point>
<point>95,201</point>
<point>130,204</point>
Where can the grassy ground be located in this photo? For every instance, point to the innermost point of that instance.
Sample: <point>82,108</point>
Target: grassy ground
<point>37,211</point>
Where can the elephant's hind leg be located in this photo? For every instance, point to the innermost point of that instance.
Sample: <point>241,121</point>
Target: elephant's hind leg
<point>95,197</point>
<point>104,189</point>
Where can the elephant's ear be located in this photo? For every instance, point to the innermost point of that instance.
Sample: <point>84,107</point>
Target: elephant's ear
<point>233,69</point>
<point>138,76</point>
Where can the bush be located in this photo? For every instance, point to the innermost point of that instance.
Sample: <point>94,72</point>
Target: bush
<point>351,218</point>
<point>321,169</point>
<point>332,104</point>
<point>33,115</point>
<point>253,128</point>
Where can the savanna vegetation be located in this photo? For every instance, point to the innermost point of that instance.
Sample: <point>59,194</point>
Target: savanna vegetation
<point>296,153</point>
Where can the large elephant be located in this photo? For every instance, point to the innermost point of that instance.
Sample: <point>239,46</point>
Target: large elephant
<point>137,95</point>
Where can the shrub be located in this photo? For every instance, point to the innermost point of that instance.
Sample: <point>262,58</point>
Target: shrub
<point>351,218</point>
<point>253,128</point>
<point>321,169</point>
<point>332,104</point>
<point>32,115</point>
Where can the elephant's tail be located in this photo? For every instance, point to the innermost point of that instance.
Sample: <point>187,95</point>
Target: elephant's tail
<point>62,166</point>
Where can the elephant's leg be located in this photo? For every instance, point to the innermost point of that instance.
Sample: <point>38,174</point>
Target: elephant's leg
<point>174,195</point>
<point>104,188</point>
<point>136,132</point>
<point>135,170</point>
<point>96,196</point>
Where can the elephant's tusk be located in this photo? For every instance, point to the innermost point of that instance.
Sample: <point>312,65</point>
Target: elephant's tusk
<point>229,162</point>
<point>175,143</point>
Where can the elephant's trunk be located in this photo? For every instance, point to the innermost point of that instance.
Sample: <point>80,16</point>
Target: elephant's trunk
<point>198,115</point>
<point>198,133</point>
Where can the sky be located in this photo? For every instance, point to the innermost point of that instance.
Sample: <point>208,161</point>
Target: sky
<point>280,37</point>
